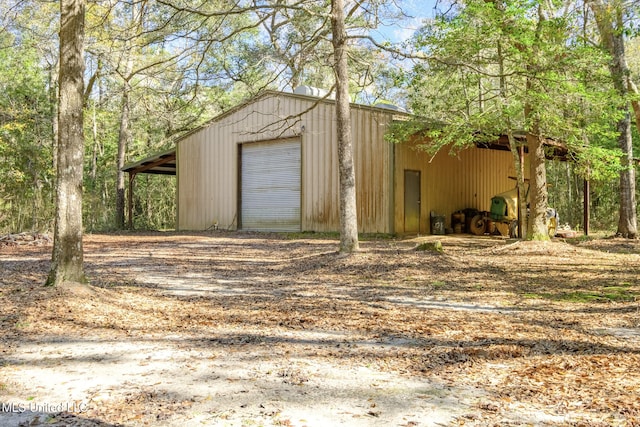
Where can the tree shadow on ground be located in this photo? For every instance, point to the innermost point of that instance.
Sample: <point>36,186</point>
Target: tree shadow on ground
<point>23,416</point>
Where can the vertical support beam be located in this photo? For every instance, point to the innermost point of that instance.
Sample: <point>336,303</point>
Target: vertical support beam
<point>587,206</point>
<point>132,176</point>
<point>520,220</point>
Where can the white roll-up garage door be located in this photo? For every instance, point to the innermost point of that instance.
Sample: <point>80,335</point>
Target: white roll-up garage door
<point>270,186</point>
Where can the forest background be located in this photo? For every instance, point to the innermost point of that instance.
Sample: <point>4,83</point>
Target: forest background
<point>157,69</point>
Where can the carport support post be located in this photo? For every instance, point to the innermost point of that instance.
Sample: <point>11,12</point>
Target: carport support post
<point>132,176</point>
<point>520,219</point>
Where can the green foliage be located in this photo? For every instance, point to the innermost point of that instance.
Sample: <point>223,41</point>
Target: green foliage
<point>566,194</point>
<point>182,70</point>
<point>25,142</point>
<point>486,64</point>
<point>526,63</point>
<point>598,164</point>
<point>155,202</point>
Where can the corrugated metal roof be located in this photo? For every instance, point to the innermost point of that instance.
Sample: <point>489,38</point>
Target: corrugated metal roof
<point>163,163</point>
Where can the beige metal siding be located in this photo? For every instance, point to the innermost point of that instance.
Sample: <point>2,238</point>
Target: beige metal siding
<point>208,163</point>
<point>371,158</point>
<point>190,190</point>
<point>320,170</point>
<point>451,183</point>
<point>321,180</point>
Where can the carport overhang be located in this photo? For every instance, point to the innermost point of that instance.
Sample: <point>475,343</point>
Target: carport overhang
<point>163,163</point>
<point>554,150</point>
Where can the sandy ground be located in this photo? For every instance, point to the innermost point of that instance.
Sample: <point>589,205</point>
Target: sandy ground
<point>247,330</point>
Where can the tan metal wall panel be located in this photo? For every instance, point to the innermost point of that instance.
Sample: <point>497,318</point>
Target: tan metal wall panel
<point>371,157</point>
<point>208,163</point>
<point>451,183</point>
<point>188,153</point>
<point>320,180</point>
<point>321,170</point>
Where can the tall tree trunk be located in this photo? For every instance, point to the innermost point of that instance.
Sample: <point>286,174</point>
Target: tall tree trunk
<point>627,222</point>
<point>54,96</point>
<point>124,136</point>
<point>537,228</point>
<point>538,195</point>
<point>522,202</point>
<point>610,25</point>
<point>348,211</point>
<point>67,258</point>
<point>634,102</point>
<point>94,153</point>
<point>123,140</point>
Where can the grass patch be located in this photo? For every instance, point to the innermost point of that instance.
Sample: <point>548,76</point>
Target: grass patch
<point>301,235</point>
<point>435,246</point>
<point>376,236</point>
<point>334,235</point>
<point>597,235</point>
<point>580,239</point>
<point>620,293</point>
<point>534,295</point>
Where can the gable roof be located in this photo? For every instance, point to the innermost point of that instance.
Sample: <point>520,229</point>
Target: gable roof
<point>386,108</point>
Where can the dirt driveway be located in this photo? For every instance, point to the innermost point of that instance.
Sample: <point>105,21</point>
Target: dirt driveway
<point>252,329</point>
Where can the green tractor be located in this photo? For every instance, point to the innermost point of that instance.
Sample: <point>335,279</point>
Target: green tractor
<point>503,217</point>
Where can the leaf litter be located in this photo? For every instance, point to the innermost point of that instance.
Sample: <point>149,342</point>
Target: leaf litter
<point>259,329</point>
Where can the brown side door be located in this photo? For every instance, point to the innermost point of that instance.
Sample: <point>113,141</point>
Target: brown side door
<point>411,201</point>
